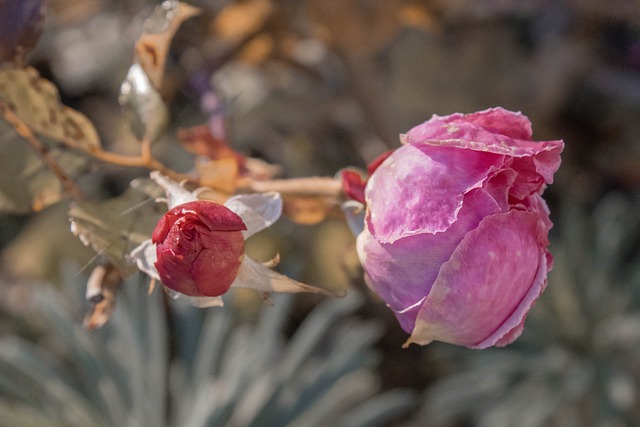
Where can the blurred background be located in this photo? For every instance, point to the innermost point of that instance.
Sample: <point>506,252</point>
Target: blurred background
<point>315,86</point>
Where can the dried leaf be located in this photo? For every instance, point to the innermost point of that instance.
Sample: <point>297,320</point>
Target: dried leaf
<point>307,209</point>
<point>27,184</point>
<point>37,103</point>
<point>240,19</point>
<point>363,28</point>
<point>221,175</point>
<point>102,287</point>
<point>20,27</point>
<point>147,112</point>
<point>115,226</point>
<point>199,140</point>
<point>153,45</point>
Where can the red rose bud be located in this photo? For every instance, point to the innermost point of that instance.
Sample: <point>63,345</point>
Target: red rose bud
<point>200,247</point>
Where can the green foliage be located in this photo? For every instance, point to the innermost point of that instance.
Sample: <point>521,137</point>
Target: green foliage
<point>218,372</point>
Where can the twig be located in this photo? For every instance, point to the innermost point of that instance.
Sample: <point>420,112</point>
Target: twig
<point>145,160</point>
<point>314,186</point>
<point>42,150</point>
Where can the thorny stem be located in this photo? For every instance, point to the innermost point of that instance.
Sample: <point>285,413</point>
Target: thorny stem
<point>43,152</point>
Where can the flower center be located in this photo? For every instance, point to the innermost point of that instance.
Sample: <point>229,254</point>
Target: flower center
<point>188,232</point>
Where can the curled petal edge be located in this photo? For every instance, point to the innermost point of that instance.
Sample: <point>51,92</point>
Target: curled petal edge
<point>258,211</point>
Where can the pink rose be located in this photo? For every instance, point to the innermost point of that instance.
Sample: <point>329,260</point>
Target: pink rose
<point>456,231</point>
<point>199,248</point>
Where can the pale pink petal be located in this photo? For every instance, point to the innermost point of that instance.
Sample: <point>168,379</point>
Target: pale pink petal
<point>403,272</point>
<point>420,189</point>
<point>485,282</point>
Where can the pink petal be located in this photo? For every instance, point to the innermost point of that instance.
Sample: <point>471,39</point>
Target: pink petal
<point>403,272</point>
<point>496,131</point>
<point>498,120</point>
<point>484,291</point>
<point>420,189</point>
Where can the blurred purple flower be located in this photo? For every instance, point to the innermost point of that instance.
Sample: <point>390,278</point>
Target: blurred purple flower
<point>456,231</point>
<point>20,27</point>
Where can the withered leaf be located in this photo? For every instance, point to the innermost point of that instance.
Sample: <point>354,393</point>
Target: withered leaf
<point>307,209</point>
<point>363,28</point>
<point>221,175</point>
<point>27,184</point>
<point>102,288</point>
<point>36,102</point>
<point>219,166</point>
<point>143,105</point>
<point>240,19</point>
<point>199,140</point>
<point>153,45</point>
<point>115,226</point>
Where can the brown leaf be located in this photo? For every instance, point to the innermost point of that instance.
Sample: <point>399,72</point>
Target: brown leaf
<point>356,27</point>
<point>102,288</point>
<point>240,19</point>
<point>153,45</point>
<point>221,175</point>
<point>36,102</point>
<point>307,209</point>
<point>199,140</point>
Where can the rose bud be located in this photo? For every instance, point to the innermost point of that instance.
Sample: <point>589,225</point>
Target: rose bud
<point>199,247</point>
<point>456,231</point>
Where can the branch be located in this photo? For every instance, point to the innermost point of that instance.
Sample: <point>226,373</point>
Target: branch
<point>314,186</point>
<point>42,150</point>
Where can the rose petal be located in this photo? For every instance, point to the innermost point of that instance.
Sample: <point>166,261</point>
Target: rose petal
<point>496,131</point>
<point>353,184</point>
<point>513,326</point>
<point>176,193</point>
<point>144,255</point>
<point>489,277</point>
<point>258,211</point>
<point>402,273</point>
<point>420,188</point>
<point>512,124</point>
<point>201,302</point>
<point>216,266</point>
